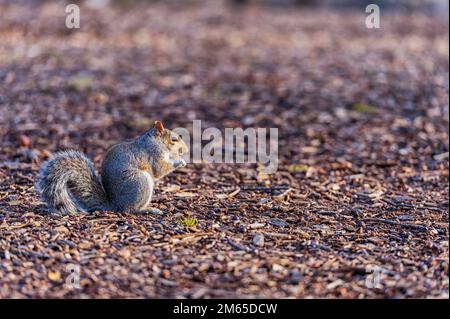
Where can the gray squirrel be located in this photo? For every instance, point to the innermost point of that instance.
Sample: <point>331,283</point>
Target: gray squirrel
<point>68,182</point>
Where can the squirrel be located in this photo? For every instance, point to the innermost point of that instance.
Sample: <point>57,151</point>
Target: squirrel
<point>68,182</point>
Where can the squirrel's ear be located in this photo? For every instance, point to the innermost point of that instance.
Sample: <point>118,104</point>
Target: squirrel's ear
<point>158,126</point>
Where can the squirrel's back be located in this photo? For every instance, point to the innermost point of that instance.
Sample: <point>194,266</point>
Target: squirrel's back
<point>68,183</point>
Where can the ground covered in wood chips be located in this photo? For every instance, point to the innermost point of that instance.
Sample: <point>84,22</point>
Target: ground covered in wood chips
<point>358,207</point>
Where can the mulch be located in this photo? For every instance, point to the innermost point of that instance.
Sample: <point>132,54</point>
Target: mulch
<point>357,209</point>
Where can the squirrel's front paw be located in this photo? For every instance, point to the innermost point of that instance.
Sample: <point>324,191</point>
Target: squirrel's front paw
<point>179,163</point>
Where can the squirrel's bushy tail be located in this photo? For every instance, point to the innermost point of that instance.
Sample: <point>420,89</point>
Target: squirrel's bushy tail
<point>68,183</point>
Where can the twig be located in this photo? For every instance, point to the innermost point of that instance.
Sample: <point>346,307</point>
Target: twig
<point>391,222</point>
<point>237,246</point>
<point>264,188</point>
<point>283,195</point>
<point>180,236</point>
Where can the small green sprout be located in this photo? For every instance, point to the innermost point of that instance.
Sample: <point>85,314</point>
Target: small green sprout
<point>81,82</point>
<point>188,222</point>
<point>364,108</point>
<point>298,168</point>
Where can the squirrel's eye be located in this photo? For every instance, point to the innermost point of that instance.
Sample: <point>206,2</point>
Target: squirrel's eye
<point>175,138</point>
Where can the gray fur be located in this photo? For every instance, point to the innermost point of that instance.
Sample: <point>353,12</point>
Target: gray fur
<point>68,183</point>
<point>128,187</point>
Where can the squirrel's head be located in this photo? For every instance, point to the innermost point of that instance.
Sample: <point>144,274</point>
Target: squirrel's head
<point>172,140</point>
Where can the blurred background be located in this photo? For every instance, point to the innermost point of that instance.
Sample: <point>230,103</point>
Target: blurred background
<point>436,6</point>
<point>429,6</point>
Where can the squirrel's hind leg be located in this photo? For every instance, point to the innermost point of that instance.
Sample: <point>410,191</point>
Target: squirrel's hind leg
<point>133,192</point>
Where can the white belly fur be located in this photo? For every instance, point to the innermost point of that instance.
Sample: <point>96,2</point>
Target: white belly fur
<point>151,184</point>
